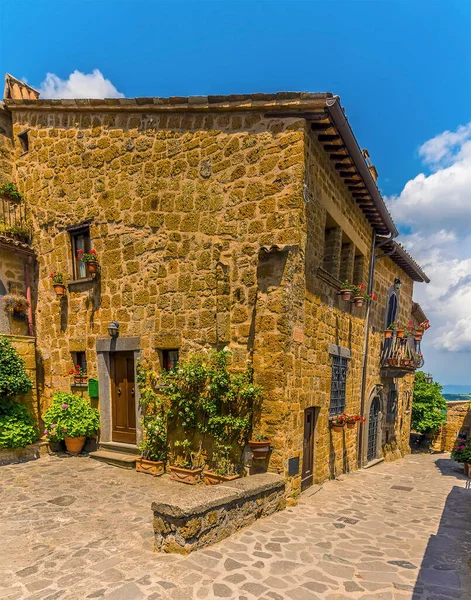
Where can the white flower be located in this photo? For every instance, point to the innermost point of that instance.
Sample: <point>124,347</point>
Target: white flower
<point>225,349</point>
<point>251,389</point>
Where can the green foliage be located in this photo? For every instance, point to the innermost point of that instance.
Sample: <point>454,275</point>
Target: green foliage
<point>70,415</point>
<point>14,379</point>
<point>17,428</point>
<point>427,406</point>
<point>461,451</point>
<point>9,190</point>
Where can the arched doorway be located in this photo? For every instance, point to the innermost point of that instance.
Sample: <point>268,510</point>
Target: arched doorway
<point>373,426</point>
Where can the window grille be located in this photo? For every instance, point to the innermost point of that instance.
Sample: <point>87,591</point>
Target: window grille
<point>339,378</point>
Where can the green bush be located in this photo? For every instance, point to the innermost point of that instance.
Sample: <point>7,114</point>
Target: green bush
<point>14,379</point>
<point>17,428</point>
<point>70,415</point>
<point>428,405</point>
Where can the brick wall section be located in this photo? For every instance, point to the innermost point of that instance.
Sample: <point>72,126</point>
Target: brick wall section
<point>458,420</point>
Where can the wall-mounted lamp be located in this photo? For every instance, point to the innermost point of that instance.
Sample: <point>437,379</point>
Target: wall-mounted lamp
<point>113,329</point>
<point>397,284</point>
<point>428,378</point>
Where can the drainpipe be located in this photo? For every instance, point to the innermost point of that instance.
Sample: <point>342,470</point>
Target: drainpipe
<point>366,339</point>
<point>28,296</point>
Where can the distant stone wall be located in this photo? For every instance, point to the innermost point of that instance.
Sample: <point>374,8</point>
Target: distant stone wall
<point>458,420</point>
<point>188,518</point>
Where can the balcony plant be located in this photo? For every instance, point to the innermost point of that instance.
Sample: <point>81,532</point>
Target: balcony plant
<point>90,259</point>
<point>399,331</point>
<point>17,232</point>
<point>80,375</point>
<point>346,291</point>
<point>260,447</point>
<point>338,422</point>
<point>154,407</point>
<point>352,420</point>
<point>15,303</point>
<point>358,295</point>
<point>9,191</point>
<point>58,283</point>
<point>421,328</point>
<point>388,332</point>
<point>223,467</point>
<point>70,418</point>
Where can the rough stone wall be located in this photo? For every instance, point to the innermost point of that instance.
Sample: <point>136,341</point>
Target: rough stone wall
<point>458,420</point>
<point>7,163</point>
<point>179,207</point>
<point>26,348</point>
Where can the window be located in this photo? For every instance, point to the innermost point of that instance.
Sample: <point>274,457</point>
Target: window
<point>80,239</point>
<point>339,378</point>
<point>391,310</point>
<point>23,137</point>
<point>80,359</point>
<point>169,359</point>
<point>392,400</point>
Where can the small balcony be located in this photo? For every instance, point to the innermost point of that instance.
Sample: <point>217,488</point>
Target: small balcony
<point>400,356</point>
<point>13,224</point>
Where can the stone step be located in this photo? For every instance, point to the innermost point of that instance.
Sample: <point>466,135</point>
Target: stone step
<point>119,447</point>
<point>117,459</point>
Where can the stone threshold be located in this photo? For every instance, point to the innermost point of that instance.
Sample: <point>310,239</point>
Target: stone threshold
<point>187,518</point>
<point>374,462</point>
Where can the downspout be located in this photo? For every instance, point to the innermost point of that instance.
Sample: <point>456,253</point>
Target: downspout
<point>366,339</point>
<point>28,296</point>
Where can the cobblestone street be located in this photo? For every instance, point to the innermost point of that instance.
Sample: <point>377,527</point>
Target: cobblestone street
<point>72,528</point>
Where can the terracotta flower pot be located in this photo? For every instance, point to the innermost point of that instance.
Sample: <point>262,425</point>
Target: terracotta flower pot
<point>189,476</point>
<point>345,295</point>
<point>418,337</point>
<point>400,333</point>
<point>211,478</point>
<point>351,425</point>
<point>338,428</point>
<point>388,334</point>
<point>152,467</point>
<point>75,445</point>
<point>392,362</point>
<point>59,288</point>
<point>358,300</point>
<point>260,450</point>
<point>92,266</point>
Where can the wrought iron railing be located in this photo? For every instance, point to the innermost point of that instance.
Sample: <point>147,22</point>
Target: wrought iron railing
<point>401,354</point>
<point>13,222</point>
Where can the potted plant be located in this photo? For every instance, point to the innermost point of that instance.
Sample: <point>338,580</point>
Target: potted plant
<point>392,361</point>
<point>345,291</point>
<point>15,303</point>
<point>358,296</point>
<point>153,446</point>
<point>186,466</point>
<point>90,259</point>
<point>399,331</point>
<point>72,419</point>
<point>352,420</point>
<point>462,453</point>
<point>421,328</point>
<point>9,191</point>
<point>58,284</point>
<point>388,333</point>
<point>260,447</point>
<point>223,467</point>
<point>338,422</point>
<point>80,375</point>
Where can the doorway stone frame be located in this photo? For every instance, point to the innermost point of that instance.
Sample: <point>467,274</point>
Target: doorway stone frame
<point>374,393</point>
<point>104,347</point>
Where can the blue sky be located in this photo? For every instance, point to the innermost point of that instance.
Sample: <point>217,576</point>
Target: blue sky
<point>402,69</point>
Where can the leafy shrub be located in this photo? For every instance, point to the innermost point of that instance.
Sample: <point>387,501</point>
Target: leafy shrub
<point>14,379</point>
<point>428,406</point>
<point>70,415</point>
<point>17,428</point>
<point>461,451</point>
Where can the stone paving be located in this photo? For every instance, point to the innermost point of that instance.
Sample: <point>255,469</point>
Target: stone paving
<point>72,528</point>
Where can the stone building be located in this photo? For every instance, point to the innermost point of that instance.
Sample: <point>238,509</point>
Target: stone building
<point>220,220</point>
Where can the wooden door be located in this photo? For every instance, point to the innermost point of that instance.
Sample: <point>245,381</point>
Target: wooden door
<point>307,475</point>
<point>123,398</point>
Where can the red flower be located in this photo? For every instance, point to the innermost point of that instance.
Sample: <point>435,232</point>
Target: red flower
<point>71,372</point>
<point>51,275</point>
<point>375,297</point>
<point>361,286</point>
<point>92,251</point>
<point>79,251</point>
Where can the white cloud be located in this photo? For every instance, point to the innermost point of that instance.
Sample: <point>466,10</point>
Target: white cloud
<point>437,209</point>
<point>78,85</point>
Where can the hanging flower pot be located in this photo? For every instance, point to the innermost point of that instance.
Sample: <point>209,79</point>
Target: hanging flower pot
<point>15,304</point>
<point>358,301</point>
<point>59,288</point>
<point>351,425</point>
<point>260,448</point>
<point>388,334</point>
<point>345,295</point>
<point>400,332</point>
<point>337,428</point>
<point>92,266</point>
<point>90,259</point>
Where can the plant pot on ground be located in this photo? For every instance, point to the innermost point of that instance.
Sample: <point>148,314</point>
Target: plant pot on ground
<point>211,478</point>
<point>260,447</point>
<point>151,467</point>
<point>70,418</point>
<point>223,468</point>
<point>186,465</point>
<point>183,475</point>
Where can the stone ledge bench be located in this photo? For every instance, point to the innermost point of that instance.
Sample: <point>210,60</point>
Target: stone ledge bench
<point>187,518</point>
